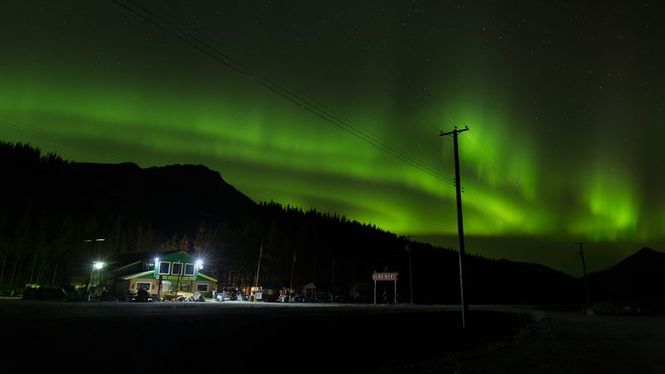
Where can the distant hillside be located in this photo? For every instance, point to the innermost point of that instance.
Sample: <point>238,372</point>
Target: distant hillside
<point>638,280</point>
<point>53,208</point>
<point>174,198</point>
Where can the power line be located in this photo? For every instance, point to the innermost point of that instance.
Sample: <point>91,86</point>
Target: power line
<point>453,118</point>
<point>484,205</point>
<point>53,138</point>
<point>272,85</point>
<point>489,161</point>
<point>279,89</point>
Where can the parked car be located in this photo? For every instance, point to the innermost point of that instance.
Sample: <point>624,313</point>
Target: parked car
<point>142,296</point>
<point>228,294</point>
<point>44,293</point>
<point>222,296</point>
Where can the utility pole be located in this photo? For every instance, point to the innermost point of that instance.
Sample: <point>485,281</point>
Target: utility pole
<point>460,222</point>
<point>177,284</point>
<point>374,288</point>
<point>95,255</point>
<point>332,282</point>
<point>586,282</point>
<point>408,250</point>
<point>293,266</point>
<point>258,267</point>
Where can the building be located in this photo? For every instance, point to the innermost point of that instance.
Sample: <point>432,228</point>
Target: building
<point>163,275</point>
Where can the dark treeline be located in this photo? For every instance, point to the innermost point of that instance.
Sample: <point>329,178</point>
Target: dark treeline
<point>52,211</point>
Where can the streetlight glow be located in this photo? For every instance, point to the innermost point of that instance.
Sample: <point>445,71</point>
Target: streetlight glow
<point>98,265</point>
<point>199,264</point>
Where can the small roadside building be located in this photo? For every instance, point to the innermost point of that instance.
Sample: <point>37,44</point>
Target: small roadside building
<point>163,275</point>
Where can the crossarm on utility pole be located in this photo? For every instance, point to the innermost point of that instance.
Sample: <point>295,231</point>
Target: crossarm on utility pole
<point>454,131</point>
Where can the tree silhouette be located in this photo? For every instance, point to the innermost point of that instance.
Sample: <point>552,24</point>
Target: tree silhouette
<point>54,205</point>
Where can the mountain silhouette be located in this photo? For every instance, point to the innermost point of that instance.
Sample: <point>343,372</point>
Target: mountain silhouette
<point>58,206</point>
<point>173,197</point>
<point>636,281</point>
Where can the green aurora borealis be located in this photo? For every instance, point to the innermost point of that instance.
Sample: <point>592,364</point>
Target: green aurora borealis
<point>565,103</point>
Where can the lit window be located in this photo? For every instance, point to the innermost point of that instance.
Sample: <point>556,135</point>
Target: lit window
<point>164,267</point>
<point>177,268</point>
<point>202,287</point>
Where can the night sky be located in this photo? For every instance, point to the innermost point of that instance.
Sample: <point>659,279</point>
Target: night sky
<point>565,102</point>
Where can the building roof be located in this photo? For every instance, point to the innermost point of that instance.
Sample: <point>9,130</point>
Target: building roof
<point>133,265</point>
<point>205,277</point>
<point>150,274</point>
<point>178,256</point>
<point>309,286</point>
